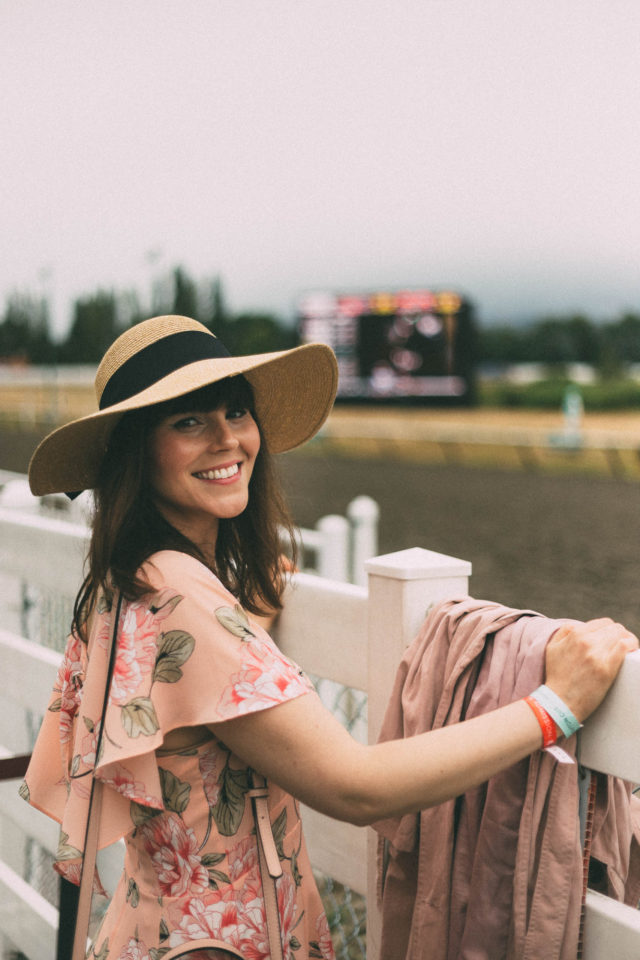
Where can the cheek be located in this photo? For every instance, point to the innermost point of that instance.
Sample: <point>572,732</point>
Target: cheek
<point>162,459</point>
<point>252,444</point>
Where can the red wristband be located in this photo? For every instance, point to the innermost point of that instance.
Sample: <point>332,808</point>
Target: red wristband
<point>547,725</point>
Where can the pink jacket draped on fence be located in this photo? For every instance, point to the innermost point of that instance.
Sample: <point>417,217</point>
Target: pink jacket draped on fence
<point>496,873</point>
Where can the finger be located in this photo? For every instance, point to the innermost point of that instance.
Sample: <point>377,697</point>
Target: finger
<point>606,648</point>
<point>629,639</point>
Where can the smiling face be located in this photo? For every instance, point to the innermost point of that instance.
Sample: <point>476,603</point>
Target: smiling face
<point>202,452</point>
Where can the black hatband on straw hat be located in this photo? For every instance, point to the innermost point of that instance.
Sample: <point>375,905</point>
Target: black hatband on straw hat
<point>157,360</point>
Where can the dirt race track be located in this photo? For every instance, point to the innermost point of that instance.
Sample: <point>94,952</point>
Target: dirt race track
<point>566,545</point>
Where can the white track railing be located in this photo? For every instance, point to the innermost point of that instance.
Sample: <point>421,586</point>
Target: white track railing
<point>351,634</point>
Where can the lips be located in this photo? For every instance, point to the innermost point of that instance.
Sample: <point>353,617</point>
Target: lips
<point>222,473</point>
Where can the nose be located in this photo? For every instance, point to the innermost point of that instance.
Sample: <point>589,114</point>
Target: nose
<point>221,435</point>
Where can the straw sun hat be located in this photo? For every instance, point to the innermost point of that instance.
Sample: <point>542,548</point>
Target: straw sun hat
<point>166,357</point>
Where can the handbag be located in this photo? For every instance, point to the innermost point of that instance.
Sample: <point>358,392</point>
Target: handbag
<point>269,862</point>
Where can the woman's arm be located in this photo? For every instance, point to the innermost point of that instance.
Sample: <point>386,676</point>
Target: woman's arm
<point>301,746</point>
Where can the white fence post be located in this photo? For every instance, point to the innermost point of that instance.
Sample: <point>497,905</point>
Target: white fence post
<point>363,514</point>
<point>402,587</point>
<point>333,552</point>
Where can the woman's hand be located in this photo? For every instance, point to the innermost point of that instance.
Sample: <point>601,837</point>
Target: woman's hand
<point>583,660</point>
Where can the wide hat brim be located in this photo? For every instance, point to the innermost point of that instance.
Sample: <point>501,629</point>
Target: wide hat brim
<point>293,389</point>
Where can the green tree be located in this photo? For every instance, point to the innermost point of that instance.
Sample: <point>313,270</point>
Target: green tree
<point>185,294</point>
<point>215,314</point>
<point>24,330</point>
<point>94,327</point>
<point>586,339</point>
<point>257,333</point>
<point>623,336</point>
<point>502,344</point>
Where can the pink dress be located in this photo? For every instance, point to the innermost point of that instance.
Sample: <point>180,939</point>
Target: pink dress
<point>187,655</point>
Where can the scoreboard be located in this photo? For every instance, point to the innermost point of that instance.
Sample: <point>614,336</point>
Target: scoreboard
<point>401,345</point>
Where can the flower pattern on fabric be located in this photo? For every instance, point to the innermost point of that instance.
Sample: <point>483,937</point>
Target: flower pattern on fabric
<point>173,849</point>
<point>242,858</point>
<point>137,642</point>
<point>69,685</point>
<point>238,917</point>
<point>134,949</point>
<point>187,656</point>
<point>266,678</point>
<point>325,944</point>
<point>209,771</point>
<point>125,783</point>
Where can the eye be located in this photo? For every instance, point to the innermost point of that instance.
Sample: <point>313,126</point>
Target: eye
<point>236,412</point>
<point>185,423</point>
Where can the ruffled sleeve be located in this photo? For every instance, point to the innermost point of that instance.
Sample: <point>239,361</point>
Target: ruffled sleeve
<point>187,655</point>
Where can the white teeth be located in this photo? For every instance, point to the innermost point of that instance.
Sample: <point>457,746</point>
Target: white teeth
<point>222,474</point>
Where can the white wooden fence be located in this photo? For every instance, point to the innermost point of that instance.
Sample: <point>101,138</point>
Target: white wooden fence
<point>351,634</point>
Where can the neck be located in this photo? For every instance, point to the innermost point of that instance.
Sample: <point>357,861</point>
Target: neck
<point>202,535</point>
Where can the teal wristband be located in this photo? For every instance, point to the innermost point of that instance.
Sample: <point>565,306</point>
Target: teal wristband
<point>557,710</point>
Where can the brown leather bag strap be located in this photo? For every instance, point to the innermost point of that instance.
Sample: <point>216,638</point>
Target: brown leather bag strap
<point>83,916</point>
<point>270,867</point>
<point>204,944</point>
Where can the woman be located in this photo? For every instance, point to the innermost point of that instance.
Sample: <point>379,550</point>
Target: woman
<point>185,547</point>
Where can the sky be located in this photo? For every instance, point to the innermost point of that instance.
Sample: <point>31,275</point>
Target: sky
<point>294,145</point>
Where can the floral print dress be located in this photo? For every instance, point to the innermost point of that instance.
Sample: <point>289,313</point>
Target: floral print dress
<point>187,655</point>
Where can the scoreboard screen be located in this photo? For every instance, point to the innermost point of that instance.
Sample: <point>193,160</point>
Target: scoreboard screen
<point>402,345</point>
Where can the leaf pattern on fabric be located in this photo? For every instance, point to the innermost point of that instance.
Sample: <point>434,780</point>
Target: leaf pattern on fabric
<point>235,620</point>
<point>133,894</point>
<point>105,602</point>
<point>157,953</point>
<point>162,604</point>
<point>140,813</point>
<point>174,649</point>
<point>209,861</point>
<point>279,830</point>
<point>103,952</point>
<point>139,717</point>
<point>295,871</point>
<point>229,809</point>
<point>65,850</point>
<point>175,793</point>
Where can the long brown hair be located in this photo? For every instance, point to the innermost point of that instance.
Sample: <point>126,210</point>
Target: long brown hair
<point>128,528</point>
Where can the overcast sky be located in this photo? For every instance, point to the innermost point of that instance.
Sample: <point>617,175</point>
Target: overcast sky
<point>491,146</point>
